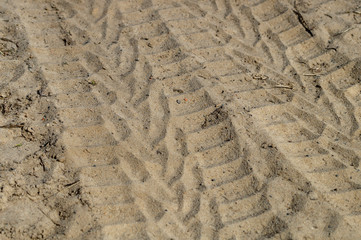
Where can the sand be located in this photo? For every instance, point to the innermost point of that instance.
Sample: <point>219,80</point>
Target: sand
<point>189,119</point>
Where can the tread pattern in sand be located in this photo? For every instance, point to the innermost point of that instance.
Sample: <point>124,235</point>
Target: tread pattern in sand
<point>325,78</point>
<point>182,119</point>
<point>92,130</point>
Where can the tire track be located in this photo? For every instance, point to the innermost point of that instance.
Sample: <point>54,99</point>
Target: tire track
<point>91,137</point>
<point>335,99</point>
<point>200,154</point>
<point>305,133</point>
<point>282,33</point>
<point>190,206</point>
<point>179,168</point>
<point>335,95</point>
<point>227,223</point>
<point>311,57</point>
<point>152,208</point>
<point>315,150</point>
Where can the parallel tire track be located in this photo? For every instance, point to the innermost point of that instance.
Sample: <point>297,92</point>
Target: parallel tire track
<point>306,146</point>
<point>161,108</point>
<point>92,131</point>
<point>182,170</point>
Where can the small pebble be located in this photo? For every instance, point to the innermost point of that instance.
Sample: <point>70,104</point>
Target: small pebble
<point>313,196</point>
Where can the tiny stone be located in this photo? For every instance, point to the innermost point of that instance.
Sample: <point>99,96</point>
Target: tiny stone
<point>313,196</point>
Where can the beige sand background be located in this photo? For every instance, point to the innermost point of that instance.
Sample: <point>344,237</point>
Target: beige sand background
<point>180,119</point>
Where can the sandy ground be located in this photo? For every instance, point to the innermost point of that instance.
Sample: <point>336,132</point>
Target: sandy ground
<point>180,119</point>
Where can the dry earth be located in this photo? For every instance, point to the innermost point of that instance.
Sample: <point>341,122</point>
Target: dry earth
<point>180,119</point>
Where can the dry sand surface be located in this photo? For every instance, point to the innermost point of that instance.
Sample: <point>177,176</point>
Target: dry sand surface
<point>180,119</point>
